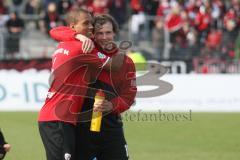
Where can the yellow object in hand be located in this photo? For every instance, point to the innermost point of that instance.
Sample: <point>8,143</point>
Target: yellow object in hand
<point>97,116</point>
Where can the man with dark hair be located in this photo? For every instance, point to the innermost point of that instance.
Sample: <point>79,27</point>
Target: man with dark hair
<point>120,90</point>
<point>100,20</point>
<point>4,146</point>
<point>71,73</point>
<point>109,143</point>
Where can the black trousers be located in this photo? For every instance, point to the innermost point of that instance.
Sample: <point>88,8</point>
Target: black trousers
<point>58,139</point>
<point>2,142</point>
<point>12,43</point>
<point>105,145</point>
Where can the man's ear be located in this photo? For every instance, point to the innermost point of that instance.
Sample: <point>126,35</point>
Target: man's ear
<point>71,25</point>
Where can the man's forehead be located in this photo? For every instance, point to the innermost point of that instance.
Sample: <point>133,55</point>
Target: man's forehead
<point>85,17</point>
<point>106,26</point>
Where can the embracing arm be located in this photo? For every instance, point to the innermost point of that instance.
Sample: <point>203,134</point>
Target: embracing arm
<point>62,33</point>
<point>126,91</point>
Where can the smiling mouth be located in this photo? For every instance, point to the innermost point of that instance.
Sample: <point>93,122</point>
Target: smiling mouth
<point>105,42</point>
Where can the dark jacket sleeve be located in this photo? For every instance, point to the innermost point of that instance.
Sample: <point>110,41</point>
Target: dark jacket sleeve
<point>2,140</point>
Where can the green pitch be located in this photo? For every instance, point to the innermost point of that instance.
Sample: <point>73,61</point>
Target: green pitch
<point>203,136</point>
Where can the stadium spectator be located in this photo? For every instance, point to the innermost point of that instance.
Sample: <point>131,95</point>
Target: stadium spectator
<point>51,18</point>
<point>174,26</point>
<point>193,47</point>
<point>45,3</point>
<point>229,39</point>
<point>192,9</point>
<point>118,9</point>
<point>3,7</point>
<point>4,146</point>
<point>237,47</point>
<point>213,42</point>
<point>3,19</point>
<point>16,6</point>
<point>98,7</point>
<point>173,21</point>
<point>214,39</point>
<point>3,14</point>
<point>230,15</point>
<point>202,23</point>
<point>32,7</point>
<point>150,8</point>
<point>158,38</point>
<point>15,27</point>
<point>83,3</point>
<point>137,19</point>
<point>64,6</point>
<point>236,6</point>
<point>216,13</point>
<point>163,8</point>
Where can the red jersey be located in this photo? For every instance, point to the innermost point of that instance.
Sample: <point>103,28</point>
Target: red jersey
<point>102,9</point>
<point>71,73</point>
<point>202,21</point>
<point>173,22</point>
<point>123,82</point>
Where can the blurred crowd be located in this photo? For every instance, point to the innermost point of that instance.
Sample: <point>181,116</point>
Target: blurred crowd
<point>187,28</point>
<point>180,29</point>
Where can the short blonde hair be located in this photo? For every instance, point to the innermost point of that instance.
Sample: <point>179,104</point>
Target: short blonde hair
<point>73,15</point>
